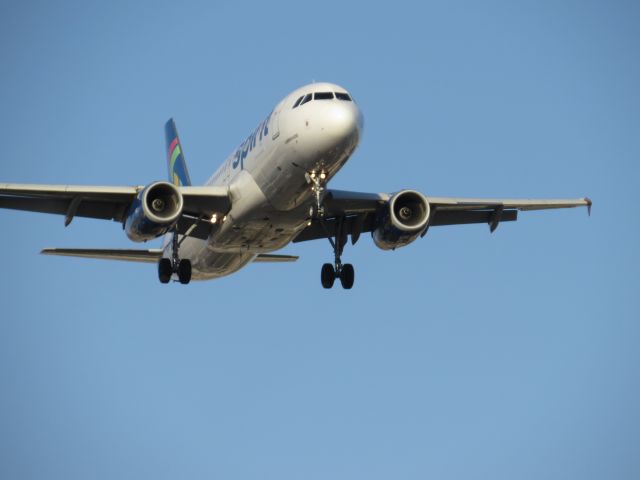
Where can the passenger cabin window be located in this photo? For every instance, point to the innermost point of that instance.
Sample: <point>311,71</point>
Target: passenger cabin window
<point>298,101</point>
<point>323,96</point>
<point>343,96</point>
<point>306,98</point>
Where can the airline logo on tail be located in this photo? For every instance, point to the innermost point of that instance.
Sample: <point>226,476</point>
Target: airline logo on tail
<point>178,173</point>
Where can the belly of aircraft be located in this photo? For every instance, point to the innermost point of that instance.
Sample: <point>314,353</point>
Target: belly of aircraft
<point>282,180</point>
<point>270,210</point>
<point>225,254</point>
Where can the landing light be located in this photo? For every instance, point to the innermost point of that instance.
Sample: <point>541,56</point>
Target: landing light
<point>214,218</point>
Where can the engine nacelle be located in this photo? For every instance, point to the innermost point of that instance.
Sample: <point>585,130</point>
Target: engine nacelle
<point>154,212</point>
<point>406,215</point>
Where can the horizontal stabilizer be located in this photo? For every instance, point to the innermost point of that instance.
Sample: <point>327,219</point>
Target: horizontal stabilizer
<point>144,256</point>
<point>271,258</point>
<point>128,255</point>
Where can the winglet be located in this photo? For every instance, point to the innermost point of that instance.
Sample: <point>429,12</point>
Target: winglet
<point>589,203</point>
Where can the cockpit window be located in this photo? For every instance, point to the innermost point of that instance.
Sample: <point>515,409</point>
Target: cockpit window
<point>323,96</point>
<point>343,96</point>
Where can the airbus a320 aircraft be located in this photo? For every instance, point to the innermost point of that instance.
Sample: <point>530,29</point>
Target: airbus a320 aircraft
<point>270,191</point>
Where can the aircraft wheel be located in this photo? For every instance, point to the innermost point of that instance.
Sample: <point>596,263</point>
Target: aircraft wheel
<point>347,276</point>
<point>327,275</point>
<point>164,270</point>
<point>184,271</point>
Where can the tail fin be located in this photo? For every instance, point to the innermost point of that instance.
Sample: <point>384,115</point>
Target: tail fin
<point>178,173</point>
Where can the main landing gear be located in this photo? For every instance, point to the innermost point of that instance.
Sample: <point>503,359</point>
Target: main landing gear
<point>344,271</point>
<point>330,272</point>
<point>168,266</point>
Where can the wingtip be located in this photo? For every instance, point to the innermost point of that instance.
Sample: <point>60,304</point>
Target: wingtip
<point>589,204</point>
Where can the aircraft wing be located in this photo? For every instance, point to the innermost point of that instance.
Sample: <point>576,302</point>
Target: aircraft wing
<point>357,211</point>
<point>112,203</point>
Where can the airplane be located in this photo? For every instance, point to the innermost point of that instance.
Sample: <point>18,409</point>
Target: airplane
<point>271,191</point>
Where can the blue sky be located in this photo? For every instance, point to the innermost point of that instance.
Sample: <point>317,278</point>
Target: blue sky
<point>464,355</point>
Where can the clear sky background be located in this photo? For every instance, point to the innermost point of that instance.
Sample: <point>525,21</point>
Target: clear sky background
<point>464,355</point>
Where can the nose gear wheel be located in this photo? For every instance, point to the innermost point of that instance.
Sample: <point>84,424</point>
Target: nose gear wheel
<point>317,181</point>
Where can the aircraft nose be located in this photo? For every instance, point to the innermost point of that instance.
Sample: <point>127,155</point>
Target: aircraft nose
<point>343,121</point>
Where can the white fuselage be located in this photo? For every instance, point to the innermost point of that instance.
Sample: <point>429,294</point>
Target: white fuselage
<point>266,176</point>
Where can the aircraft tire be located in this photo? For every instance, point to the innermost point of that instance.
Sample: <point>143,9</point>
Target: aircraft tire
<point>184,271</point>
<point>347,276</point>
<point>327,275</point>
<point>164,270</point>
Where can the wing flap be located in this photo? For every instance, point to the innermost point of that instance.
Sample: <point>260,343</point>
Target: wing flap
<point>351,225</point>
<point>466,217</point>
<point>339,202</point>
<point>206,201</point>
<point>85,208</point>
<point>110,203</point>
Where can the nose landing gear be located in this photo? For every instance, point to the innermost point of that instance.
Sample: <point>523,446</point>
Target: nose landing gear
<point>317,181</point>
<point>168,266</point>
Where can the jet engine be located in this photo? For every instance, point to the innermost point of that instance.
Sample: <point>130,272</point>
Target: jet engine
<point>404,217</point>
<point>154,212</point>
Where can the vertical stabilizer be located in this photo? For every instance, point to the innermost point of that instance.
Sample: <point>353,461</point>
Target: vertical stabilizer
<point>178,173</point>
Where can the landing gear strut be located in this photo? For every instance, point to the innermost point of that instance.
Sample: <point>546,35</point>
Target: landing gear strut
<point>317,181</point>
<point>329,273</point>
<point>343,271</point>
<point>168,266</point>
